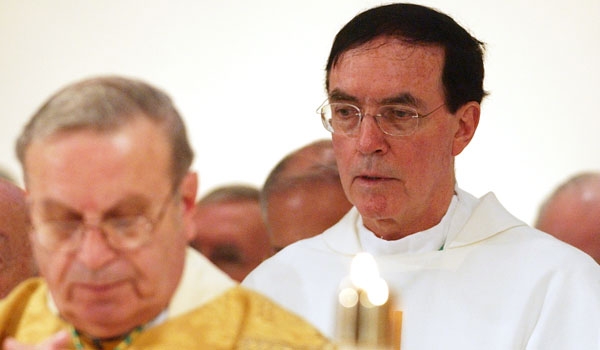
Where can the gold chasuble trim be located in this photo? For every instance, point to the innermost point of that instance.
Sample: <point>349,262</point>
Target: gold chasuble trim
<point>237,319</point>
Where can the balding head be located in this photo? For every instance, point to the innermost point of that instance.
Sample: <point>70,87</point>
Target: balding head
<point>303,195</point>
<point>572,213</point>
<point>316,156</point>
<point>16,258</point>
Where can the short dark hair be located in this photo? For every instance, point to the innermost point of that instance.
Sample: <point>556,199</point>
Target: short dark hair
<point>463,69</point>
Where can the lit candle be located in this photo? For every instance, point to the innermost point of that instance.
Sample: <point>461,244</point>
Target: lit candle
<point>347,314</point>
<point>373,315</point>
<point>364,317</point>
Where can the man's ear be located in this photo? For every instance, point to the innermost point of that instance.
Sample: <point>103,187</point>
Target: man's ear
<point>468,119</point>
<point>188,190</point>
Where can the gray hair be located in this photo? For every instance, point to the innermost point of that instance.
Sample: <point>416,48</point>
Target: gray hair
<point>106,104</point>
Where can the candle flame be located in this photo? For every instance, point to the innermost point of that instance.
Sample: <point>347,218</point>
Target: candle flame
<point>364,275</point>
<point>378,292</point>
<point>363,270</point>
<point>348,297</point>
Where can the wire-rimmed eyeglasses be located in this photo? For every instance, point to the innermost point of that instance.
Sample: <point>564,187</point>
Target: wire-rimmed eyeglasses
<point>121,233</point>
<point>393,120</point>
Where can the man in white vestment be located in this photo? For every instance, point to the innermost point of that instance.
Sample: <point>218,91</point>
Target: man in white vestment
<point>404,85</point>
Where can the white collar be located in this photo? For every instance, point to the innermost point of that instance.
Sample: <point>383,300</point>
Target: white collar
<point>473,220</point>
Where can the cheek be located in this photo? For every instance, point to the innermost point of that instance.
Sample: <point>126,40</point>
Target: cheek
<point>6,250</point>
<point>343,148</point>
<point>345,177</point>
<point>52,266</point>
<point>434,148</point>
<point>163,261</point>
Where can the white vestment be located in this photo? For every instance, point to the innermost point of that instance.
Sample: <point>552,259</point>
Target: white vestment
<point>480,279</point>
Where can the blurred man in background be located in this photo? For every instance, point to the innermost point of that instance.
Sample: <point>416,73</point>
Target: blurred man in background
<point>16,257</point>
<point>230,231</point>
<point>303,195</point>
<point>572,213</point>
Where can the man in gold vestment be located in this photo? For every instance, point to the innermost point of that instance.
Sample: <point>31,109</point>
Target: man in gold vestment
<point>106,164</point>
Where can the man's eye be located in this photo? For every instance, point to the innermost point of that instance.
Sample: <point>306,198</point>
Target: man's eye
<point>397,113</point>
<point>226,254</point>
<point>123,222</point>
<point>123,226</point>
<point>66,227</point>
<point>344,112</point>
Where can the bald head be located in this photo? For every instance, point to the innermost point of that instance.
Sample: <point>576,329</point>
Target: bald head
<point>303,195</point>
<point>572,213</point>
<point>16,258</point>
<point>314,157</point>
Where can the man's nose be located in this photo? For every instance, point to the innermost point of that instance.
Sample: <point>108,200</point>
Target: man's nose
<point>370,137</point>
<point>95,251</point>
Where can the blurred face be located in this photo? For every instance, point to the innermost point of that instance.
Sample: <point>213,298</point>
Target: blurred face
<point>16,259</point>
<point>232,234</point>
<point>574,217</point>
<point>91,176</point>
<point>400,185</point>
<point>303,212</point>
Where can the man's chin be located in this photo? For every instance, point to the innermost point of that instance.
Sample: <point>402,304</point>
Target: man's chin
<point>102,322</point>
<point>374,206</point>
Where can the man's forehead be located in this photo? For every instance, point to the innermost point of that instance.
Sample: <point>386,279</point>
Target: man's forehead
<point>90,155</point>
<point>394,48</point>
<point>127,200</point>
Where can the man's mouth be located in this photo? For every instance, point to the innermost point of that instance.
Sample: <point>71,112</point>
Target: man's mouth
<point>372,177</point>
<point>99,287</point>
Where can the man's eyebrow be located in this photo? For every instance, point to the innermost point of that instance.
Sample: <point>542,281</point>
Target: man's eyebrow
<point>128,202</point>
<point>133,202</point>
<point>49,204</point>
<point>339,95</point>
<point>403,98</point>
